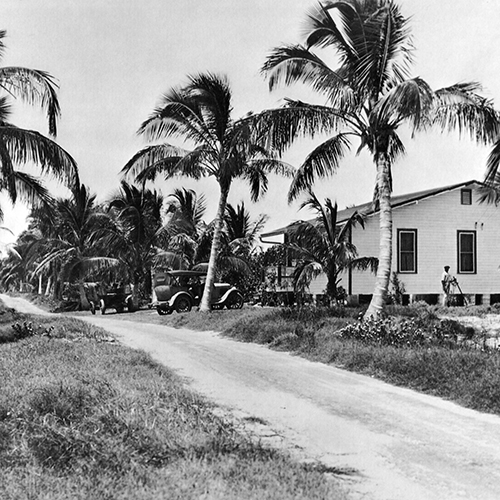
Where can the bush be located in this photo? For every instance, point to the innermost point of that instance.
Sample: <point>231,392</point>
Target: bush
<point>413,332</point>
<point>386,331</point>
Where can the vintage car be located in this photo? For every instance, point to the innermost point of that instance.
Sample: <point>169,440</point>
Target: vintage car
<point>181,290</point>
<point>114,297</point>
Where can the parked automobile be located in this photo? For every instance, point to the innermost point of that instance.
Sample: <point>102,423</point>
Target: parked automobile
<point>118,297</point>
<point>180,291</point>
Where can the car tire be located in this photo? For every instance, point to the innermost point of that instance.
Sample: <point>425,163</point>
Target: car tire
<point>235,301</point>
<point>102,306</point>
<point>182,305</point>
<point>92,307</point>
<point>130,305</point>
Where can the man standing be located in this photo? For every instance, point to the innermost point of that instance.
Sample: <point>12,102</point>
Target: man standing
<point>447,280</point>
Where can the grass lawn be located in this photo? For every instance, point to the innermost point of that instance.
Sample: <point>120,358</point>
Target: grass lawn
<point>83,417</point>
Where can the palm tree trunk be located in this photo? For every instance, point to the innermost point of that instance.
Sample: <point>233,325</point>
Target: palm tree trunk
<point>206,300</point>
<point>84,303</point>
<point>385,252</point>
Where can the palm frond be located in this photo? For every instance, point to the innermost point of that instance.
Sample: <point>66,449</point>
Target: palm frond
<point>169,260</point>
<point>492,177</point>
<point>278,128</point>
<point>323,31</point>
<point>461,108</point>
<point>364,263</point>
<point>304,273</point>
<point>32,191</point>
<point>296,64</point>
<point>25,146</point>
<point>321,162</point>
<point>385,53</point>
<point>411,101</point>
<point>150,155</point>
<point>213,94</point>
<point>36,88</point>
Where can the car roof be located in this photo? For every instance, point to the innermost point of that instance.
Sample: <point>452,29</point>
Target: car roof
<point>186,273</point>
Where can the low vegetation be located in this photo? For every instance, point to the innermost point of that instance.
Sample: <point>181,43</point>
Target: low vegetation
<point>84,417</point>
<point>412,346</point>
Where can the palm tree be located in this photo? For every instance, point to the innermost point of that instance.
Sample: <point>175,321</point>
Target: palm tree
<point>242,232</point>
<point>324,246</point>
<point>20,146</point>
<point>135,233</point>
<point>370,97</point>
<point>74,251</point>
<point>226,149</point>
<point>185,227</point>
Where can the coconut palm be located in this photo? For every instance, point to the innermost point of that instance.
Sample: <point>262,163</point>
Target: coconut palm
<point>324,246</point>
<point>32,244</point>
<point>135,233</point>
<point>20,146</point>
<point>74,251</point>
<point>370,97</point>
<point>200,114</point>
<point>185,227</point>
<point>242,232</point>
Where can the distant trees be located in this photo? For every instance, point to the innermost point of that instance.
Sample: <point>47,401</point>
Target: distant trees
<point>134,234</point>
<point>370,97</point>
<point>75,240</point>
<point>73,246</point>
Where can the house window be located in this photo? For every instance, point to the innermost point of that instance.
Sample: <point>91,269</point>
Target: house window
<point>466,196</point>
<point>466,252</point>
<point>407,250</point>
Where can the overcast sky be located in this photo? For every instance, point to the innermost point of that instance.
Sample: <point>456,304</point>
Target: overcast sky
<point>114,58</point>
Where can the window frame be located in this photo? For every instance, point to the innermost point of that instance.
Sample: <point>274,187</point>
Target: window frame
<point>469,193</point>
<point>414,232</point>
<point>473,233</point>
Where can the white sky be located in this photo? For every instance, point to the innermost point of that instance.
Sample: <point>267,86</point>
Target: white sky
<point>114,59</point>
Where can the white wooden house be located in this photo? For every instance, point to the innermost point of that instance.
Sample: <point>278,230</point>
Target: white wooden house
<point>431,229</point>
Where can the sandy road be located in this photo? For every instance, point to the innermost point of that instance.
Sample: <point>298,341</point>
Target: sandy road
<point>400,444</point>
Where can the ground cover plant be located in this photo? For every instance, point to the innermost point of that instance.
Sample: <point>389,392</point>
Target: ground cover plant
<point>83,417</point>
<point>422,347</point>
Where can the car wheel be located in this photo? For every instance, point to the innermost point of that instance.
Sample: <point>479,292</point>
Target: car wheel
<point>163,312</point>
<point>130,305</point>
<point>92,307</point>
<point>235,301</point>
<point>182,304</point>
<point>103,306</point>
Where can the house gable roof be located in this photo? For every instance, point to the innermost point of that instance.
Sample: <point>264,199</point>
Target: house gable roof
<point>368,209</point>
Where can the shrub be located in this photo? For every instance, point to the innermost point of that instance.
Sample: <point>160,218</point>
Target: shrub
<point>385,331</point>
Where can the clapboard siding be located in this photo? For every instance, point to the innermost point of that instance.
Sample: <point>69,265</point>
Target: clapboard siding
<point>437,220</point>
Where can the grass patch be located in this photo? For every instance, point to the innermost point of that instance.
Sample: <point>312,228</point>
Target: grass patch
<point>83,418</point>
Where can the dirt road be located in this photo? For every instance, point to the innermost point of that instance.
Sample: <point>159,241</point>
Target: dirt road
<point>399,444</point>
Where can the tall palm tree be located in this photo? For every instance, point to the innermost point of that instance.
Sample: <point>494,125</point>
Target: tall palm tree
<point>20,146</point>
<point>224,148</point>
<point>370,97</point>
<point>324,246</point>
